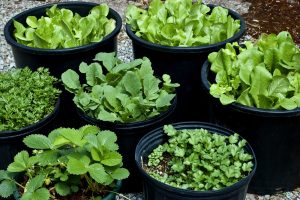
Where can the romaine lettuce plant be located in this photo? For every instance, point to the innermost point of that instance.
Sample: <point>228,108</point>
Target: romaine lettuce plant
<point>68,161</point>
<point>62,28</point>
<point>26,97</point>
<point>196,159</point>
<point>263,75</point>
<point>181,23</point>
<point>120,92</point>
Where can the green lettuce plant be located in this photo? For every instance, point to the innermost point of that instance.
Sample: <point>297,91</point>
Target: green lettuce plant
<point>263,75</point>
<point>119,92</point>
<point>61,28</point>
<point>181,23</point>
<point>197,159</point>
<point>68,161</point>
<point>26,97</point>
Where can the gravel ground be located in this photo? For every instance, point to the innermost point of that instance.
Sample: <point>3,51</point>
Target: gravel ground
<point>9,8</point>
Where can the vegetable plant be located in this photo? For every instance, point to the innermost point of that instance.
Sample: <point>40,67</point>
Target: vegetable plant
<point>197,159</point>
<point>26,97</point>
<point>119,92</point>
<point>263,75</point>
<point>181,23</point>
<point>69,161</point>
<point>61,28</point>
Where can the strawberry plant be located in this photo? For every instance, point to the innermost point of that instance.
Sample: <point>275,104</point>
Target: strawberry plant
<point>181,23</point>
<point>196,159</point>
<point>26,97</point>
<point>61,28</point>
<point>117,91</point>
<point>69,161</point>
<point>263,75</point>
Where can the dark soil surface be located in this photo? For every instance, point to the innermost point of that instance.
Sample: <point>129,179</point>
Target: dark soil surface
<point>274,16</point>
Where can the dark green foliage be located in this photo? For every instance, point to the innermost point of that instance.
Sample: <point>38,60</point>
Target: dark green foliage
<point>196,159</point>
<point>126,92</point>
<point>26,97</point>
<point>65,161</point>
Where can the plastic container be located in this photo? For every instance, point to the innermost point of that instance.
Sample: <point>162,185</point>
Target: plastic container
<point>59,60</point>
<point>183,64</point>
<point>129,135</point>
<point>273,135</point>
<point>154,189</point>
<point>110,196</point>
<point>11,142</point>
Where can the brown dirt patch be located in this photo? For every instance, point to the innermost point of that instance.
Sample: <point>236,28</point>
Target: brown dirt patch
<point>273,16</point>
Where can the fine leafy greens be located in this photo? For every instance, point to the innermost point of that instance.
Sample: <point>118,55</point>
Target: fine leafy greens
<point>26,97</point>
<point>181,23</point>
<point>127,92</point>
<point>196,159</point>
<point>65,161</point>
<point>263,75</point>
<point>62,28</point>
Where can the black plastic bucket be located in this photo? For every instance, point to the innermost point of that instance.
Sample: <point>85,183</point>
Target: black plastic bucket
<point>129,135</point>
<point>59,60</point>
<point>273,135</point>
<point>11,142</point>
<point>156,190</point>
<point>183,64</point>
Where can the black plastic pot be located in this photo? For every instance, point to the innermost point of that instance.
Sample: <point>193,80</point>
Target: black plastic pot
<point>129,135</point>
<point>183,64</point>
<point>273,135</point>
<point>11,142</point>
<point>59,60</point>
<point>156,190</point>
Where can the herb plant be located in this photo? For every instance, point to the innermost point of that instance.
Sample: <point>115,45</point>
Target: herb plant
<point>26,97</point>
<point>127,92</point>
<point>196,159</point>
<point>68,161</point>
<point>62,28</point>
<point>181,23</point>
<point>263,75</point>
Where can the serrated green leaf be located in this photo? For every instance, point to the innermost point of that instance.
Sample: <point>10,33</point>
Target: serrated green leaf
<point>120,173</point>
<point>112,159</point>
<point>108,139</point>
<point>20,162</point>
<point>89,129</point>
<point>63,189</point>
<point>7,187</point>
<point>77,167</point>
<point>98,173</point>
<point>35,183</point>
<point>39,194</point>
<point>36,141</point>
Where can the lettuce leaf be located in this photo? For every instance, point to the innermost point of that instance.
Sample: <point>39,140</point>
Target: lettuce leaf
<point>264,75</point>
<point>181,23</point>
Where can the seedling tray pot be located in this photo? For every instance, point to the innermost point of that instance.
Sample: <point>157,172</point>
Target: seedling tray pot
<point>273,135</point>
<point>129,135</point>
<point>154,189</point>
<point>183,64</point>
<point>11,142</point>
